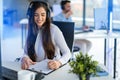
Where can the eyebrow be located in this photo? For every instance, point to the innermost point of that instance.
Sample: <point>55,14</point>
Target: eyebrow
<point>41,13</point>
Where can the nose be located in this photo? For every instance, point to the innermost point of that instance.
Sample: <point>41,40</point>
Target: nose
<point>39,17</point>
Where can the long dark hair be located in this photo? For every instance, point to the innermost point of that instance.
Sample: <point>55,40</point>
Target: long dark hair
<point>33,31</point>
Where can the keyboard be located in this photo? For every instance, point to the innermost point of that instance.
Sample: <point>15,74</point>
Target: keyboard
<point>82,31</point>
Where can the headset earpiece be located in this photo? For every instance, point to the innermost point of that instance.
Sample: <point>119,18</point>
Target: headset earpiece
<point>29,9</point>
<point>62,7</point>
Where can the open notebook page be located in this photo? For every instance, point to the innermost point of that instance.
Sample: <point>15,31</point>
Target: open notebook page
<point>41,67</point>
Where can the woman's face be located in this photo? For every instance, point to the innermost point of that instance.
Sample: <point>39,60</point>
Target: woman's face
<point>40,16</point>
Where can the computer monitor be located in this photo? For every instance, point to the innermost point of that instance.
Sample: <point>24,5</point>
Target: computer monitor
<point>100,18</point>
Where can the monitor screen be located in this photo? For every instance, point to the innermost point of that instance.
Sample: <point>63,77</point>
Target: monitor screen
<point>100,18</point>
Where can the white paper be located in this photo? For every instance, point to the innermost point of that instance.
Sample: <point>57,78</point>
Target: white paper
<point>41,67</point>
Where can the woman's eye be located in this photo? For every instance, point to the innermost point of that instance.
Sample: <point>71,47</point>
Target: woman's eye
<point>43,15</point>
<point>36,15</point>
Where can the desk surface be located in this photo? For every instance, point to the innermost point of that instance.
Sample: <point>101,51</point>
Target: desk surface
<point>97,34</point>
<point>60,74</point>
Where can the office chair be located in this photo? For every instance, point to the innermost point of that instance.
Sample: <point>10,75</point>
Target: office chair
<point>67,29</point>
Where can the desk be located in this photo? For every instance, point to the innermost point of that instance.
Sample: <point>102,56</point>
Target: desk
<point>59,74</point>
<point>102,34</point>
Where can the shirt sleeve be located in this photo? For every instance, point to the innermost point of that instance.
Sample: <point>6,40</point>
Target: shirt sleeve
<point>61,17</point>
<point>61,43</point>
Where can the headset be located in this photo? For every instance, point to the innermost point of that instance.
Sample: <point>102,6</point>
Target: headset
<point>63,2</point>
<point>31,7</point>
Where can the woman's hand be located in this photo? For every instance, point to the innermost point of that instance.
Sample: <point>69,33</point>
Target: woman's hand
<point>26,62</point>
<point>54,64</point>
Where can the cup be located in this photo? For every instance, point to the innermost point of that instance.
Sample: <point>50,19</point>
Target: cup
<point>26,75</point>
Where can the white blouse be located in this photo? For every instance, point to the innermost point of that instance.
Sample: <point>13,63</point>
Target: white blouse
<point>59,43</point>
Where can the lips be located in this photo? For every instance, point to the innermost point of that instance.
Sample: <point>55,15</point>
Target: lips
<point>39,22</point>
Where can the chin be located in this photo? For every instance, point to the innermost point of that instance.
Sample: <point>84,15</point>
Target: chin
<point>39,25</point>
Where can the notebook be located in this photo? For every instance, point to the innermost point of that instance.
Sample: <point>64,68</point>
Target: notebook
<point>41,67</point>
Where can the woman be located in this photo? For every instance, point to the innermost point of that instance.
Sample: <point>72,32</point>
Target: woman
<point>45,40</point>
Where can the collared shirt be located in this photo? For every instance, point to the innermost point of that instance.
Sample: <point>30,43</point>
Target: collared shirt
<point>61,17</point>
<point>59,43</point>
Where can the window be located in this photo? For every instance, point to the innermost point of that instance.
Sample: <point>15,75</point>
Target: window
<point>116,15</point>
<point>77,8</point>
<point>90,5</point>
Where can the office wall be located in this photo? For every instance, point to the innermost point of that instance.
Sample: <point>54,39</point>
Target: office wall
<point>22,5</point>
<point>51,2</point>
<point>19,5</point>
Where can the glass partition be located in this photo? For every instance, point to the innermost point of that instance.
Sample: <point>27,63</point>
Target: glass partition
<point>116,15</point>
<point>13,29</point>
<point>77,8</point>
<point>1,25</point>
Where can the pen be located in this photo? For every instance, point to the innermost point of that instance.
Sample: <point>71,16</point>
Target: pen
<point>54,58</point>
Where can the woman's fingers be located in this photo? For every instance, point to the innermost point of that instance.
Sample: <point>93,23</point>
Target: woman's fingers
<point>53,64</point>
<point>26,62</point>
<point>31,62</point>
<point>24,66</point>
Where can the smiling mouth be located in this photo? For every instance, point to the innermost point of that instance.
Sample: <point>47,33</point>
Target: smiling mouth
<point>39,21</point>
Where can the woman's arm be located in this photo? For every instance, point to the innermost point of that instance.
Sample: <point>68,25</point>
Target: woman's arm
<point>25,60</point>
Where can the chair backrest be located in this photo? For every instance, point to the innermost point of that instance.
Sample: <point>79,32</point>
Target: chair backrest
<point>67,29</point>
